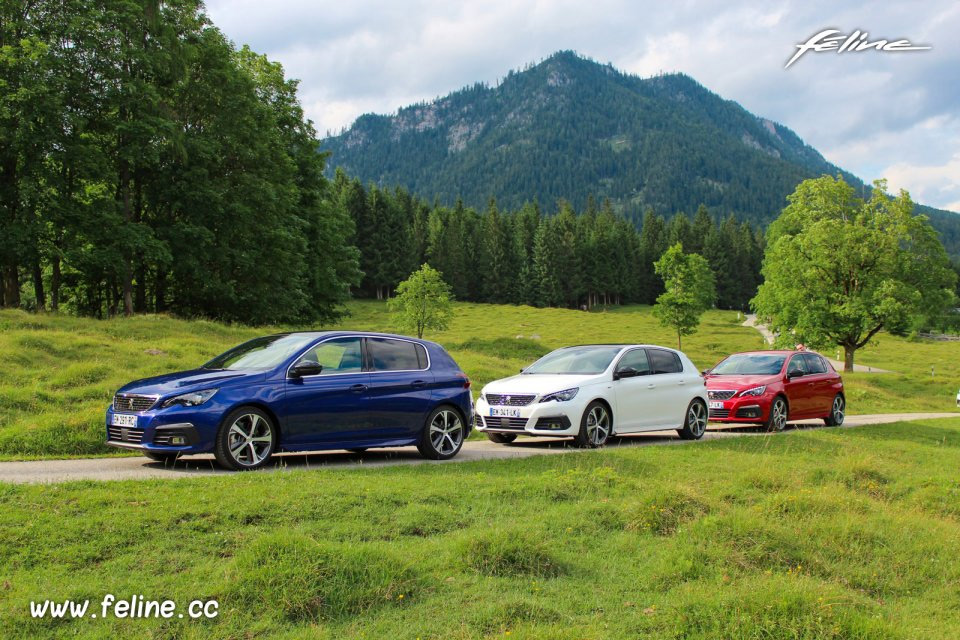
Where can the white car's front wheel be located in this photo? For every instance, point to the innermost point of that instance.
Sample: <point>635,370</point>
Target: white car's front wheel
<point>595,426</point>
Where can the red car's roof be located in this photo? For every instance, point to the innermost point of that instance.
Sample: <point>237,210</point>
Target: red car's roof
<point>782,352</point>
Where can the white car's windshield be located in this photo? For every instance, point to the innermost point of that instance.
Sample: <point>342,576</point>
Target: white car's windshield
<point>750,364</point>
<point>261,353</point>
<point>574,361</point>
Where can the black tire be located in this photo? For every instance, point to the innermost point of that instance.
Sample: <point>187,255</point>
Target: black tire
<point>165,458</point>
<point>254,440</point>
<point>838,411</point>
<point>357,450</point>
<point>695,420</point>
<point>501,438</point>
<point>443,434</point>
<point>779,413</point>
<point>597,414</point>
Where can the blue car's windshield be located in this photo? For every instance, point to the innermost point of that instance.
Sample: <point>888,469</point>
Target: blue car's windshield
<point>750,364</point>
<point>261,353</point>
<point>575,361</point>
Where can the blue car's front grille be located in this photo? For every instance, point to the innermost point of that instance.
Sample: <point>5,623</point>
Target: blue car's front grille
<point>131,402</point>
<point>125,434</point>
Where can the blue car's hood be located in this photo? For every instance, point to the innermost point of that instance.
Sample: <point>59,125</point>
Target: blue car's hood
<point>187,381</point>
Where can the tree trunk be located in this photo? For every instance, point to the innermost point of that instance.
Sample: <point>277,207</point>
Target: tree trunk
<point>55,283</point>
<point>126,202</point>
<point>160,292</point>
<point>38,291</point>
<point>848,352</point>
<point>140,300</point>
<point>11,286</point>
<point>679,344</point>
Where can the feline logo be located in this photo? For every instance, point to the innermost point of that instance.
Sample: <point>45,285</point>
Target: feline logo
<point>835,40</point>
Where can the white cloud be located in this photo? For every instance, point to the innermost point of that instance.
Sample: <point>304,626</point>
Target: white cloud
<point>928,183</point>
<point>872,113</point>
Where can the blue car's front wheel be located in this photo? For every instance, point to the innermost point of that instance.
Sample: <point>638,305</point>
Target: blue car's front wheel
<point>246,440</point>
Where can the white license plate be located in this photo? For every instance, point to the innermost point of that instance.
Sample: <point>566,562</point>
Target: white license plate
<point>504,412</point>
<point>716,404</point>
<point>123,420</point>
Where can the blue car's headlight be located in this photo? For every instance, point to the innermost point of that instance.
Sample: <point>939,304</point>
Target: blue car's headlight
<point>191,399</point>
<point>756,391</point>
<point>561,396</point>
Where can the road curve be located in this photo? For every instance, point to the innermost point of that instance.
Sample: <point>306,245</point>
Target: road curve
<point>751,321</point>
<point>137,468</point>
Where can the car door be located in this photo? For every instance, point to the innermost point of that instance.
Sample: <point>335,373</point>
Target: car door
<point>400,386</point>
<point>631,374</point>
<point>820,385</point>
<point>330,406</point>
<point>796,387</point>
<point>669,386</point>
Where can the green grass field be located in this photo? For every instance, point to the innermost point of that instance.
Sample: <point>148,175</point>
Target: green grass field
<point>58,373</point>
<point>829,533</point>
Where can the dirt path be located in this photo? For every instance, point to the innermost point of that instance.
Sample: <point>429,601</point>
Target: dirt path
<point>139,468</point>
<point>751,321</point>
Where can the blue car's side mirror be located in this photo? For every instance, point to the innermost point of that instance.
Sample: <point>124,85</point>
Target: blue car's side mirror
<point>305,368</point>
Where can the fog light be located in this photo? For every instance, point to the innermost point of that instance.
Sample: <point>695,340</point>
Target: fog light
<point>178,440</point>
<point>558,423</point>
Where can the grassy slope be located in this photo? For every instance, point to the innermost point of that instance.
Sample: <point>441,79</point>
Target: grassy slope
<point>58,373</point>
<point>810,534</point>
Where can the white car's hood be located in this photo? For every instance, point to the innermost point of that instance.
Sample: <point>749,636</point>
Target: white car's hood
<point>537,383</point>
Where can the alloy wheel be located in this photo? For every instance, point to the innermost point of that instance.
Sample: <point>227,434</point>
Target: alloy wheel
<point>446,432</point>
<point>250,440</point>
<point>598,426</point>
<point>838,410</point>
<point>697,419</point>
<point>779,419</point>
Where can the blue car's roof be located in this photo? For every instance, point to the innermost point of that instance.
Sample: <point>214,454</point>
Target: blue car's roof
<point>338,332</point>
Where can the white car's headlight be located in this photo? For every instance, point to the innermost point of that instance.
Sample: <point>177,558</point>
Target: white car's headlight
<point>191,399</point>
<point>756,391</point>
<point>561,396</point>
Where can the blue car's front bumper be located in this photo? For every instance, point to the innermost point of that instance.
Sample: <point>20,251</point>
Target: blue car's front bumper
<point>172,430</point>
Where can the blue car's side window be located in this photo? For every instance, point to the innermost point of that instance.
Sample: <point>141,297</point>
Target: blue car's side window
<point>337,356</point>
<point>395,355</point>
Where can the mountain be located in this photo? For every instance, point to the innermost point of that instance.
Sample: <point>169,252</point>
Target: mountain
<point>572,128</point>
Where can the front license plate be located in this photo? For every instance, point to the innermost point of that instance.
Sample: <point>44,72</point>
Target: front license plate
<point>504,412</point>
<point>124,420</point>
<point>716,404</point>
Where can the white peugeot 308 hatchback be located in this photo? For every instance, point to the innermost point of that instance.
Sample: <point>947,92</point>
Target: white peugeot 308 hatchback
<point>592,392</point>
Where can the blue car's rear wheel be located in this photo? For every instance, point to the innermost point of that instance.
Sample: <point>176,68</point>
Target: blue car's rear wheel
<point>246,439</point>
<point>443,435</point>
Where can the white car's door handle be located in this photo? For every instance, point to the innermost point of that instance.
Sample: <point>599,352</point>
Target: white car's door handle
<point>682,382</point>
<point>651,386</point>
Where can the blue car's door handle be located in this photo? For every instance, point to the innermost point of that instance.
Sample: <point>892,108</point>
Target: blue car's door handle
<point>418,384</point>
<point>358,388</point>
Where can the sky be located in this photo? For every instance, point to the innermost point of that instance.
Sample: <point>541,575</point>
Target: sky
<point>893,115</point>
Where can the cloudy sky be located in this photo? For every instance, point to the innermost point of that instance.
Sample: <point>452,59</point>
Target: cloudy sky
<point>892,115</point>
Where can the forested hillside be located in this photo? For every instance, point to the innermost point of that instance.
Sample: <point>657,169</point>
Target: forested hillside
<point>556,257</point>
<point>570,128</point>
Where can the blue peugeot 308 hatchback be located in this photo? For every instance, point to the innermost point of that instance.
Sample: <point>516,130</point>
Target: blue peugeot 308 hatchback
<point>304,391</point>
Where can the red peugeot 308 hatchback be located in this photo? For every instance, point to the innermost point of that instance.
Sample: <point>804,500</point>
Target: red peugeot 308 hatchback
<point>770,387</point>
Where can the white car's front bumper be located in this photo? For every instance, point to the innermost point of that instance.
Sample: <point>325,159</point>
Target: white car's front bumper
<point>535,419</point>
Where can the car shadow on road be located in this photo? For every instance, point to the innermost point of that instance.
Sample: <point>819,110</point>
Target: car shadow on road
<point>205,464</point>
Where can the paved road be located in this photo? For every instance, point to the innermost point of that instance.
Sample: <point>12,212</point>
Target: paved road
<point>751,321</point>
<point>46,471</point>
